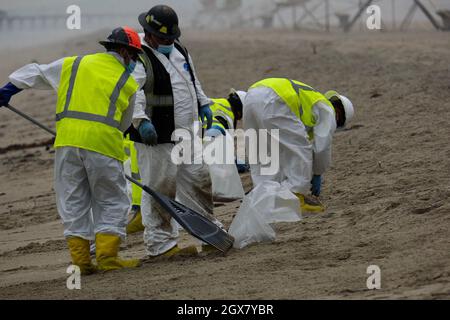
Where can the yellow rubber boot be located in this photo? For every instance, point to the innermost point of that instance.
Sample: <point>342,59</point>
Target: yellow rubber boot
<point>81,257</point>
<point>177,251</point>
<point>135,225</point>
<point>209,248</point>
<point>310,204</point>
<point>107,250</point>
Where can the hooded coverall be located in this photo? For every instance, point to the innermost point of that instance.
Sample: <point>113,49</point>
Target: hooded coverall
<point>304,150</point>
<point>85,179</point>
<point>190,183</point>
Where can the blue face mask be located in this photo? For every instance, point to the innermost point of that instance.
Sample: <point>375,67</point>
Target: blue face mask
<point>130,67</point>
<point>165,49</point>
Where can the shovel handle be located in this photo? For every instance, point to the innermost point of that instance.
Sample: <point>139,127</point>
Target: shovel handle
<point>20,113</point>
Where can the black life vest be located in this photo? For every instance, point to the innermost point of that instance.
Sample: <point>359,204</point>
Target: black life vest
<point>159,94</point>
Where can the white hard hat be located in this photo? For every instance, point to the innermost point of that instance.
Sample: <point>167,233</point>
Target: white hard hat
<point>240,94</point>
<point>346,103</point>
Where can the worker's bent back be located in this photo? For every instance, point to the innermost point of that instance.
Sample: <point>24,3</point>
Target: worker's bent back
<point>93,94</point>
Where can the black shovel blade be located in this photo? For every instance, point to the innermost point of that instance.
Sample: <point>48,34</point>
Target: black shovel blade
<point>198,225</point>
<point>193,222</point>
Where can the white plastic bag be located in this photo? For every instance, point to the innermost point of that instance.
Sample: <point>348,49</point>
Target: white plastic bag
<point>269,202</point>
<point>226,182</point>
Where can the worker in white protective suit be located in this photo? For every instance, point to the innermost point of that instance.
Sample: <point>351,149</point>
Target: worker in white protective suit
<point>172,99</point>
<point>306,120</point>
<point>96,96</point>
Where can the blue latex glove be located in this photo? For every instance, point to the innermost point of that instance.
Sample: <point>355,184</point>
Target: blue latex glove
<point>205,112</point>
<point>242,167</point>
<point>148,133</point>
<point>7,92</point>
<point>316,184</point>
<point>215,131</point>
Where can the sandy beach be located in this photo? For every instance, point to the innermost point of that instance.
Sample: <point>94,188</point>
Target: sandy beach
<point>387,193</point>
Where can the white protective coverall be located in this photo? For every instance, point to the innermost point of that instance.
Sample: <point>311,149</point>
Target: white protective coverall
<point>299,158</point>
<point>84,179</point>
<point>190,183</point>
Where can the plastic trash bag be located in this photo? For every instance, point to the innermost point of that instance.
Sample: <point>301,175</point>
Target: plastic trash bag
<point>226,182</point>
<point>269,202</point>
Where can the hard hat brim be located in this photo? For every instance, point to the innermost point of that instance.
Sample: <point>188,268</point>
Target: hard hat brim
<point>107,42</point>
<point>143,22</point>
<point>346,104</point>
<point>330,94</point>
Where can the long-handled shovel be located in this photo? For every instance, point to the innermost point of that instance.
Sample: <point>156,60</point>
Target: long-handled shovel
<point>20,113</point>
<point>193,222</point>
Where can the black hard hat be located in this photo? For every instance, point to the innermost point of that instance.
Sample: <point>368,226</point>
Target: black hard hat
<point>162,21</point>
<point>123,36</point>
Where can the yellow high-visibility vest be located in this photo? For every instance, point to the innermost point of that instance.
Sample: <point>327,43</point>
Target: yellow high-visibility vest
<point>298,96</point>
<point>94,92</point>
<point>131,152</point>
<point>222,108</point>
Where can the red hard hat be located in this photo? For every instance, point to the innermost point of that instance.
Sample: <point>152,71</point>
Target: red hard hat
<point>125,36</point>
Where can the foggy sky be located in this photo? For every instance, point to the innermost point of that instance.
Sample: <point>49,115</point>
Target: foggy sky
<point>188,11</point>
